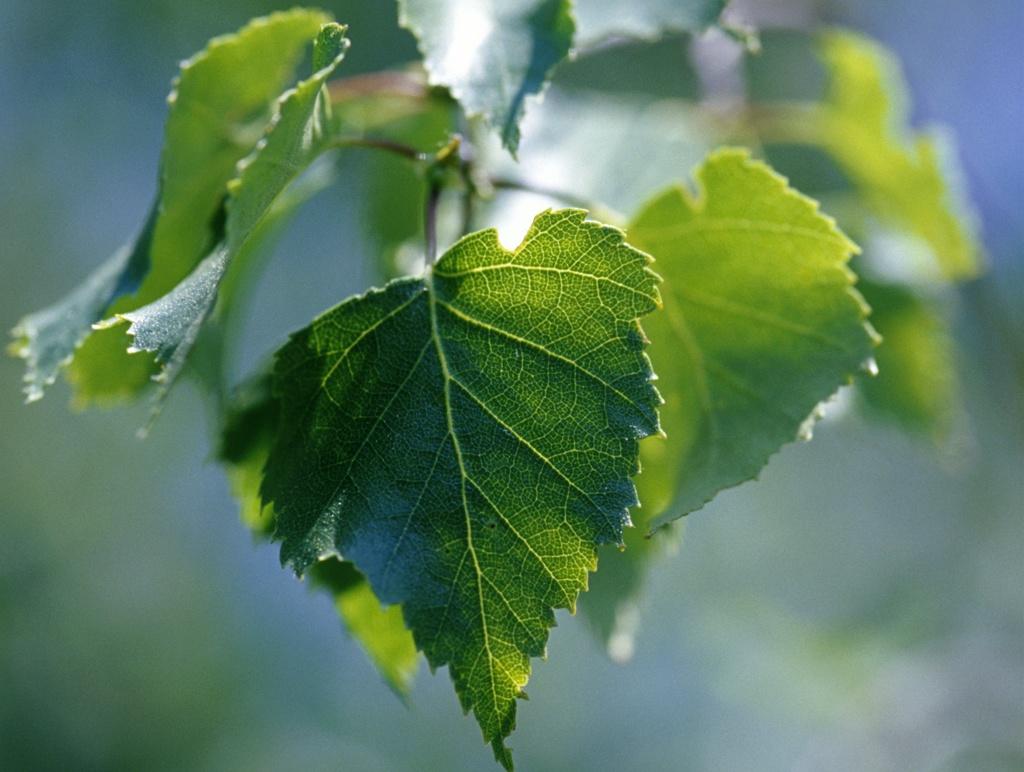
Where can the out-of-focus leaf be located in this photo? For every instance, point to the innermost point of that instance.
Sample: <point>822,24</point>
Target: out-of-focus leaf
<point>491,56</point>
<point>916,386</point>
<point>466,440</point>
<point>301,130</point>
<point>249,427</point>
<point>630,70</point>
<point>219,104</point>
<point>909,182</point>
<point>247,432</point>
<point>646,19</point>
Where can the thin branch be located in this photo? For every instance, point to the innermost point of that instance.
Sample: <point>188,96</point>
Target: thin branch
<point>380,143</point>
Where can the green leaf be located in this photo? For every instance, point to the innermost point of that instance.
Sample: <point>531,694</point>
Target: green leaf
<point>466,439</point>
<point>491,56</point>
<point>47,339</point>
<point>301,130</point>
<point>219,104</point>
<point>910,182</point>
<point>916,387</point>
<point>249,427</point>
<point>761,323</point>
<point>645,19</point>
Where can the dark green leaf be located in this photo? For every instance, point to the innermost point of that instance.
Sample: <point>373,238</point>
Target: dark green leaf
<point>466,439</point>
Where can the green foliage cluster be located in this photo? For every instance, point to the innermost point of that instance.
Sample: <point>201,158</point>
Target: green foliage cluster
<point>446,455</point>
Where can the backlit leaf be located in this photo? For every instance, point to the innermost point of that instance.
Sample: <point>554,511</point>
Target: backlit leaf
<point>761,323</point>
<point>380,629</point>
<point>466,440</point>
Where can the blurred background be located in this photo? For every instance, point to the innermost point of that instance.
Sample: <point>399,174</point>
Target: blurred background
<point>860,608</point>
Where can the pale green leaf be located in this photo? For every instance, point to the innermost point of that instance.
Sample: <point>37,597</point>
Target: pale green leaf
<point>466,440</point>
<point>910,181</point>
<point>491,55</point>
<point>761,323</point>
<point>646,19</point>
<point>219,104</point>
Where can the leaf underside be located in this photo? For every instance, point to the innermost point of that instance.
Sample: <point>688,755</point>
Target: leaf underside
<point>491,56</point>
<point>302,128</point>
<point>466,439</point>
<point>219,103</point>
<point>645,19</point>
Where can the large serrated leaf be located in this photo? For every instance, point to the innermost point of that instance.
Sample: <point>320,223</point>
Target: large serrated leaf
<point>760,324</point>
<point>219,104</point>
<point>467,438</point>
<point>491,55</point>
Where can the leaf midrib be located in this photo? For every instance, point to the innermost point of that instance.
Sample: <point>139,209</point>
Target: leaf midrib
<point>463,476</point>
